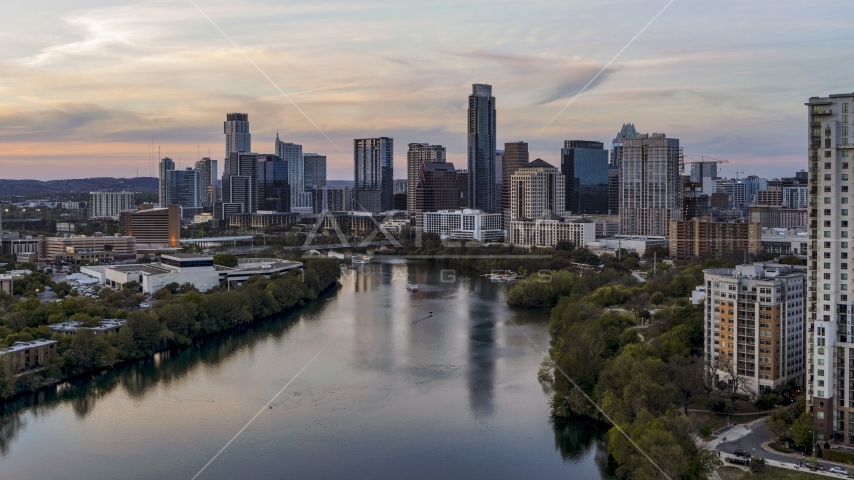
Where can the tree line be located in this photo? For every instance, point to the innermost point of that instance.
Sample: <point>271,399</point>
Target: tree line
<point>175,320</point>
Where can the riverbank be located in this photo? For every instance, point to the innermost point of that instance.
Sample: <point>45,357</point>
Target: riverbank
<point>172,322</point>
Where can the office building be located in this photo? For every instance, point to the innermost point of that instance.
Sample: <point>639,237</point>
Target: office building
<point>262,220</point>
<point>499,167</point>
<point>515,156</point>
<point>373,168</point>
<point>700,237</point>
<point>52,248</point>
<point>109,204</point>
<point>650,184</point>
<point>465,224</point>
<point>184,188</point>
<point>417,154</point>
<point>770,196</point>
<point>792,217</point>
<point>314,168</point>
<point>237,136</point>
<point>830,393</point>
<point>482,191</point>
<point>207,181</point>
<point>613,190</point>
<point>166,166</point>
<point>240,181</point>
<point>765,215</point>
<point>536,189</point>
<point>755,325</point>
<point>273,188</point>
<point>292,154</point>
<point>437,189</point>
<point>584,165</point>
<point>154,226</point>
<point>463,180</point>
<point>795,196</point>
<point>332,199</point>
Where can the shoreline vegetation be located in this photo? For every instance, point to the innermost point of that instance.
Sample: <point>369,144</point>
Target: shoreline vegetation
<point>174,321</point>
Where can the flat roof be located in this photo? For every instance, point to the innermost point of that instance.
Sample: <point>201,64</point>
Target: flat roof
<point>18,346</point>
<point>186,255</point>
<point>150,269</point>
<point>216,239</point>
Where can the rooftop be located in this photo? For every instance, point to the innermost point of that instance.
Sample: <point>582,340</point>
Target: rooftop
<point>146,269</point>
<point>18,346</point>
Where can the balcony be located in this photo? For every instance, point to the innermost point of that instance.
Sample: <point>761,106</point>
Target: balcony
<point>824,111</point>
<point>815,123</point>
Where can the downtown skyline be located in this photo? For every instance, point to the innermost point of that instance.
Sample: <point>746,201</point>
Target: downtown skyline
<point>87,98</point>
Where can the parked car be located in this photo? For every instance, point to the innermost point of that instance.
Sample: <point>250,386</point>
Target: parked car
<point>741,453</point>
<point>838,470</point>
<point>144,305</point>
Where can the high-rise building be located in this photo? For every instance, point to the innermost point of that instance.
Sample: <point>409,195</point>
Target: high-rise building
<point>628,131</point>
<point>515,156</point>
<point>401,185</point>
<point>332,199</point>
<point>314,168</point>
<point>166,166</point>
<point>536,189</point>
<point>437,189</point>
<point>237,136</point>
<point>274,191</point>
<point>184,186</point>
<point>705,173</point>
<point>499,167</point>
<point>584,165</point>
<point>755,330</point>
<point>109,204</point>
<point>417,154</point>
<point>650,184</point>
<point>795,196</point>
<point>154,226</point>
<point>373,168</point>
<point>830,394</point>
<point>292,153</point>
<point>463,180</point>
<point>207,181</point>
<point>240,181</point>
<point>482,190</point>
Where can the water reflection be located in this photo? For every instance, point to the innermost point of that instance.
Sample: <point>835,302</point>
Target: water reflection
<point>482,349</point>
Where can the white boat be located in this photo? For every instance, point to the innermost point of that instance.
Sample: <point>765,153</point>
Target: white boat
<point>412,287</point>
<point>359,261</point>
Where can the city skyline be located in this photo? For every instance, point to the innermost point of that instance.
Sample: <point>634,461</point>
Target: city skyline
<point>737,100</point>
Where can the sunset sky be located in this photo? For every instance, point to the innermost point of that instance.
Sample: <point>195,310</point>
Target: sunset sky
<point>85,86</point>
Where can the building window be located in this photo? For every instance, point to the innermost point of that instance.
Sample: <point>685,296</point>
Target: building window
<point>845,110</point>
<point>826,199</point>
<point>826,234</point>
<point>845,177</point>
<point>844,211</point>
<point>827,177</point>
<point>827,152</point>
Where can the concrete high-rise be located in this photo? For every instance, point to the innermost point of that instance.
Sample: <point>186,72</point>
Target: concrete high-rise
<point>166,166</point>
<point>240,182</point>
<point>237,136</point>
<point>292,153</point>
<point>705,173</point>
<point>650,184</point>
<point>536,189</point>
<point>417,154</point>
<point>584,165</point>
<point>830,374</point>
<point>373,169</point>
<point>515,156</point>
<point>109,204</point>
<point>483,194</point>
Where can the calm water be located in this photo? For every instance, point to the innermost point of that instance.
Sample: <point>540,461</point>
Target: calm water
<point>396,394</point>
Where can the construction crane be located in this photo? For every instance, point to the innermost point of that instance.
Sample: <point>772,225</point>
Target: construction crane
<point>702,160</point>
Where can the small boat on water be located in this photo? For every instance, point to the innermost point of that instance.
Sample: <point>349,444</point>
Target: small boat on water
<point>412,287</point>
<point>362,259</point>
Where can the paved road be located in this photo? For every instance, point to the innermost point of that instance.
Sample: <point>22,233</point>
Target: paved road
<point>752,443</point>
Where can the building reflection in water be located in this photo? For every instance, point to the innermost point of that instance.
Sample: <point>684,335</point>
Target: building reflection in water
<point>482,350</point>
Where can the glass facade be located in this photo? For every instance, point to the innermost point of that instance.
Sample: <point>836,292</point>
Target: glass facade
<point>584,165</point>
<point>276,192</point>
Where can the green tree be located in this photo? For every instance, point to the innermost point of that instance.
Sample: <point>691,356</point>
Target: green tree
<point>225,260</point>
<point>657,298</point>
<point>802,430</point>
<point>780,422</point>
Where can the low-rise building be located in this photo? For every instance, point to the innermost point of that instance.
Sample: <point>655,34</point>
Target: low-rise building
<point>755,330</point>
<point>177,267</point>
<point>262,220</point>
<point>550,229</point>
<point>107,325</point>
<point>466,224</point>
<point>24,356</point>
<point>630,243</point>
<point>247,267</point>
<point>782,241</point>
<point>154,226</point>
<point>6,284</point>
<point>50,248</point>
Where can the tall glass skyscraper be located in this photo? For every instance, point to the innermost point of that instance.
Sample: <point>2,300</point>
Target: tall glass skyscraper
<point>373,170</point>
<point>584,165</point>
<point>483,191</point>
<point>273,188</point>
<point>292,153</point>
<point>237,136</point>
<point>166,166</point>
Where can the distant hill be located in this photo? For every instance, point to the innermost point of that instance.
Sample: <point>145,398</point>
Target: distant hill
<point>80,185</point>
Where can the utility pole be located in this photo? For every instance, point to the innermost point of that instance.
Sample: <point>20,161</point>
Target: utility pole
<point>654,264</point>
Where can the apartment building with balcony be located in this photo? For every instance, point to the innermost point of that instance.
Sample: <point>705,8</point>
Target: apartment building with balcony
<point>754,324</point>
<point>830,376</point>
